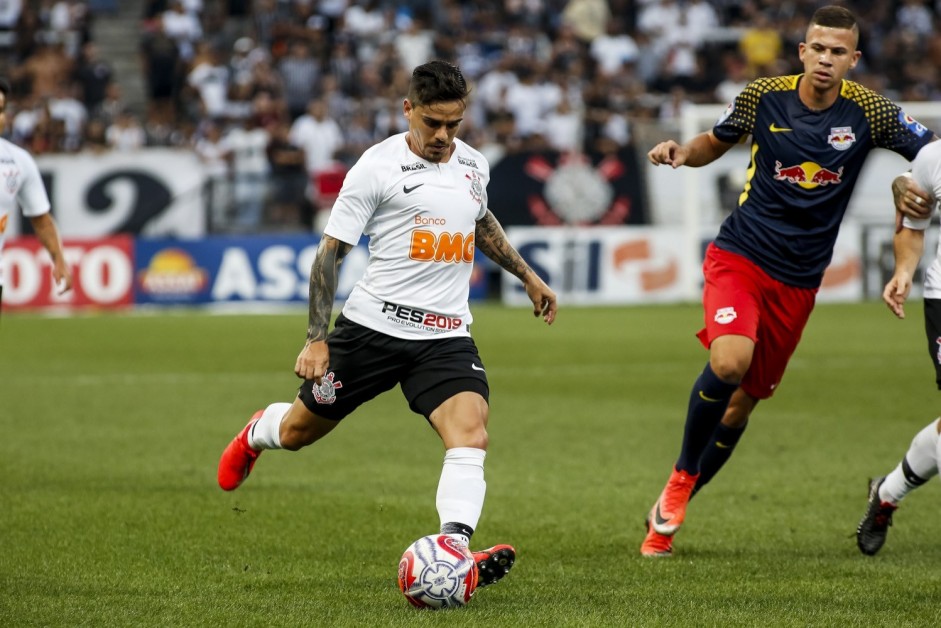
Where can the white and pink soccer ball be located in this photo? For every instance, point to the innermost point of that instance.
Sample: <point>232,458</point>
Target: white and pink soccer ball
<point>437,571</point>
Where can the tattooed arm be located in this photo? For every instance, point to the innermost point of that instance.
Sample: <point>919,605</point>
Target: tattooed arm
<point>491,240</point>
<point>324,273</point>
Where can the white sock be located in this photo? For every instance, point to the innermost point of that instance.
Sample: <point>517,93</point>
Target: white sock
<point>921,461</point>
<point>266,433</point>
<point>462,488</point>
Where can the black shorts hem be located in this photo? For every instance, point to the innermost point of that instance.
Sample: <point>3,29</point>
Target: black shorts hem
<point>428,401</point>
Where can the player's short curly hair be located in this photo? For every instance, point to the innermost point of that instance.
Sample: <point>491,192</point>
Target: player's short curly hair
<point>437,81</point>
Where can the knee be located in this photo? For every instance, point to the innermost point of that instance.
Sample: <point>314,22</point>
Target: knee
<point>470,435</point>
<point>478,438</point>
<point>729,367</point>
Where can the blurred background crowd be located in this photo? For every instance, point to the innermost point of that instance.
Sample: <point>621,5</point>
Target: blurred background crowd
<point>279,97</point>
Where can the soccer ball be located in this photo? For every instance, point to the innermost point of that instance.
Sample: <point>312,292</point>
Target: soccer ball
<point>437,571</point>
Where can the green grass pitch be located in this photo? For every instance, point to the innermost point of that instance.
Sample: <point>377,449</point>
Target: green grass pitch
<point>110,514</point>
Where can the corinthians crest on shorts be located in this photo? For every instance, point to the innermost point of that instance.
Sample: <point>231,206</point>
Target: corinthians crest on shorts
<point>326,392</point>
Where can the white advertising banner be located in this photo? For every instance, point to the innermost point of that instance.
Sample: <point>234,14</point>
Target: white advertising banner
<point>639,265</point>
<point>152,192</point>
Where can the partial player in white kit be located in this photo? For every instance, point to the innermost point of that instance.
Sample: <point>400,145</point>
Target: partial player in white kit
<point>22,186</point>
<point>921,460</point>
<point>421,197</point>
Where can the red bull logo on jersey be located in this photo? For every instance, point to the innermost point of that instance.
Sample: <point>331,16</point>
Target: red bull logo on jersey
<point>725,315</point>
<point>841,137</point>
<point>807,175</point>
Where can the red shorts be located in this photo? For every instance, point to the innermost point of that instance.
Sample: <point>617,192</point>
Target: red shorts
<point>741,299</point>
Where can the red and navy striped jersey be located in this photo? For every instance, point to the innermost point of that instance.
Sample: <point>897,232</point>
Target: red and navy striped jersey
<point>804,165</point>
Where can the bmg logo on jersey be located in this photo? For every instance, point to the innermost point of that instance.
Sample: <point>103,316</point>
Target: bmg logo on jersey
<point>427,246</point>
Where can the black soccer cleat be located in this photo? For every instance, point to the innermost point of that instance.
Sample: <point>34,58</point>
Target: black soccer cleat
<point>494,563</point>
<point>874,527</point>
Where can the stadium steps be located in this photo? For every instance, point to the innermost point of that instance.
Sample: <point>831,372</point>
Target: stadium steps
<point>118,37</point>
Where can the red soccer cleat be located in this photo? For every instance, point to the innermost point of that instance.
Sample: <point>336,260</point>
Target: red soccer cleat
<point>656,545</point>
<point>494,563</point>
<point>238,458</point>
<point>668,512</point>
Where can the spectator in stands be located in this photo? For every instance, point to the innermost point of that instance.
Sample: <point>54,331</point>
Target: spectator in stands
<point>761,45</point>
<point>48,67</point>
<point>215,157</point>
<point>414,44</point>
<point>614,48</point>
<point>286,205</point>
<point>563,128</point>
<point>182,28</point>
<point>95,139</point>
<point>126,133</point>
<point>248,145</point>
<point>210,78</point>
<point>300,73</point>
<point>320,137</point>
<point>93,75</point>
<point>65,106</point>
<point>163,72</point>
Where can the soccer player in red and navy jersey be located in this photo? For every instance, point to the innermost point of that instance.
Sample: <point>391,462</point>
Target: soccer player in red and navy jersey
<point>810,134</point>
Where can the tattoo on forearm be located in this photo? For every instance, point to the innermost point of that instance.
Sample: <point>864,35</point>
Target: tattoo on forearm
<point>324,273</point>
<point>491,240</point>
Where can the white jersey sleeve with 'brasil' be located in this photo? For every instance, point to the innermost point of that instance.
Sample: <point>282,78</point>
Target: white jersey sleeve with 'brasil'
<point>20,185</point>
<point>420,218</point>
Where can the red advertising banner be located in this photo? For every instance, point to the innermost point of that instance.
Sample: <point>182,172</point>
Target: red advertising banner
<point>102,269</point>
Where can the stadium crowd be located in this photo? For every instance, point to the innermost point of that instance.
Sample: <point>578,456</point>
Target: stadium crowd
<point>278,97</point>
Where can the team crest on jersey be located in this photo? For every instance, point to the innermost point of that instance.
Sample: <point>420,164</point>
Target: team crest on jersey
<point>912,124</point>
<point>725,114</point>
<point>326,393</point>
<point>725,315</point>
<point>12,178</point>
<point>476,187</point>
<point>841,137</point>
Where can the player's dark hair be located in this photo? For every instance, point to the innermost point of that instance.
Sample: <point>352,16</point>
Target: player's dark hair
<point>4,87</point>
<point>833,16</point>
<point>437,81</point>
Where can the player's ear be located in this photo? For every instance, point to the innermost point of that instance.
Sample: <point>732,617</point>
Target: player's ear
<point>407,108</point>
<point>856,56</point>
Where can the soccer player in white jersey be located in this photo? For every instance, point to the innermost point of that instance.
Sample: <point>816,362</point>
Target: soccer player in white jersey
<point>22,186</point>
<point>421,197</point>
<point>921,461</point>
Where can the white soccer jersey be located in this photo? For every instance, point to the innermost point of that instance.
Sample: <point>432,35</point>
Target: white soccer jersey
<point>420,218</point>
<point>21,185</point>
<point>926,172</point>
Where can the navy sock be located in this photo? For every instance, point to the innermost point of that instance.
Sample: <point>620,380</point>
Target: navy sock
<point>717,453</point>
<point>707,403</point>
